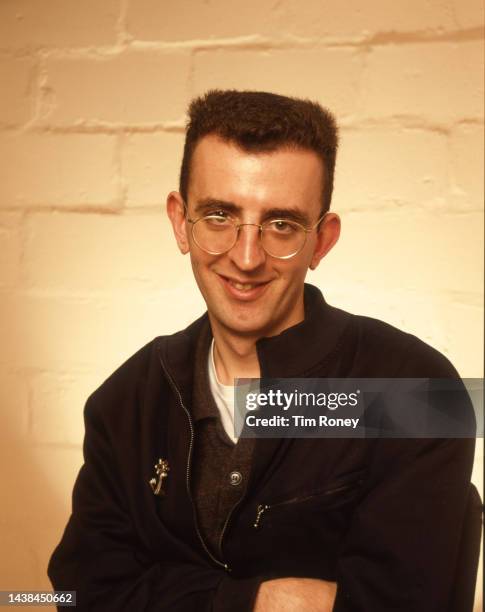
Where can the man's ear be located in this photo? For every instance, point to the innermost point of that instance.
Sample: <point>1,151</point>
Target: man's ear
<point>177,215</point>
<point>327,236</point>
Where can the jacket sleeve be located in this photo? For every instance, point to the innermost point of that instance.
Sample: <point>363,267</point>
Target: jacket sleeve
<point>100,558</point>
<point>402,549</point>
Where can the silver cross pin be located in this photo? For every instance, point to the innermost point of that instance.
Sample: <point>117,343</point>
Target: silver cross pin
<point>161,470</point>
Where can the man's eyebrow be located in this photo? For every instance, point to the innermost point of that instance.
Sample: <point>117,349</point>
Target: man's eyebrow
<point>205,205</point>
<point>292,214</point>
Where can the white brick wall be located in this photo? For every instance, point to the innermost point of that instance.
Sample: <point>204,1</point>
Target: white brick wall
<point>440,82</point>
<point>134,87</point>
<point>91,136</point>
<point>119,253</point>
<point>28,24</point>
<point>16,102</point>
<point>150,164</point>
<point>334,72</point>
<point>45,169</point>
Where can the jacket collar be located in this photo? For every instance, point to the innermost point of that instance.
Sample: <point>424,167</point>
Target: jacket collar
<point>203,403</point>
<point>304,347</point>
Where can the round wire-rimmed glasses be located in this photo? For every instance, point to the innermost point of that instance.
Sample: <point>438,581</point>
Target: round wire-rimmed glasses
<point>217,233</point>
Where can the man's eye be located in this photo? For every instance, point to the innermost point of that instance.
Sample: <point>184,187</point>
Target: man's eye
<point>218,218</point>
<point>282,227</point>
<point>220,214</point>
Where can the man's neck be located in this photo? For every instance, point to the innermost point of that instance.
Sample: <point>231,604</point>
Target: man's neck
<point>235,357</point>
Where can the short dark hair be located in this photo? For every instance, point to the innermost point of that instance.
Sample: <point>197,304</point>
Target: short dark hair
<point>259,121</point>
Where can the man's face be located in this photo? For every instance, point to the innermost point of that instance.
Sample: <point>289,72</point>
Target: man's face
<point>247,291</point>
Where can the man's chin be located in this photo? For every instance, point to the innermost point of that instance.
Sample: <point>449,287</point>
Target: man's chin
<point>249,328</point>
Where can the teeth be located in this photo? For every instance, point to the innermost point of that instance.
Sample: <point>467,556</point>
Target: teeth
<point>243,286</point>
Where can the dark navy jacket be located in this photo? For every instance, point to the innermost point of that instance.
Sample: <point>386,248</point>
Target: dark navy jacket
<point>382,518</point>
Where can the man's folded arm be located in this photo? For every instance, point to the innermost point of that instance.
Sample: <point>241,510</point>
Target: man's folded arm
<point>401,552</point>
<point>101,559</point>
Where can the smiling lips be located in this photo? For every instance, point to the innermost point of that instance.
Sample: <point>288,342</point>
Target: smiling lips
<point>243,290</point>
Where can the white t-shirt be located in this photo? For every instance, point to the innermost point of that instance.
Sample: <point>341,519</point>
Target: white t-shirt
<point>223,396</point>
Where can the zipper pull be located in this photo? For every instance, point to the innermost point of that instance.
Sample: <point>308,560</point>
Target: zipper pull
<point>260,510</point>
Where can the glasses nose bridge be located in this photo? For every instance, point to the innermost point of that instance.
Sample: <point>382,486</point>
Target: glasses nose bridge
<point>250,245</point>
<point>258,225</point>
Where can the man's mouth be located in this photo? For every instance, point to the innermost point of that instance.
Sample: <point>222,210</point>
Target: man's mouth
<point>243,289</point>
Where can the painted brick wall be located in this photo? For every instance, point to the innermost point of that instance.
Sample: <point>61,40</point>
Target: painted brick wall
<point>92,105</point>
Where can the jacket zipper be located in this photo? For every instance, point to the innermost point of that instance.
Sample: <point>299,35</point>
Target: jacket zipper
<point>187,479</point>
<point>262,508</point>
<point>226,523</point>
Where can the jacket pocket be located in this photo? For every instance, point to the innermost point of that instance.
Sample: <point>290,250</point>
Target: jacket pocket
<point>340,492</point>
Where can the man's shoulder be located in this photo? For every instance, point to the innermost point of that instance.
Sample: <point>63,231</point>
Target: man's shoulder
<point>131,369</point>
<point>141,370</point>
<point>399,351</point>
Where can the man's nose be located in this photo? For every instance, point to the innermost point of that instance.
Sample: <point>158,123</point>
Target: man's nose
<point>248,252</point>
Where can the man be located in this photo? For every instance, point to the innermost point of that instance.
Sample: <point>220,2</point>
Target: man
<point>259,524</point>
